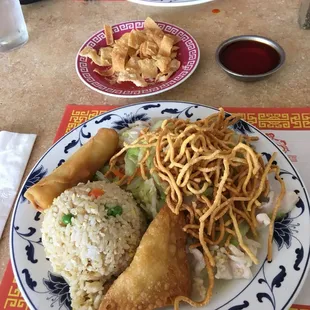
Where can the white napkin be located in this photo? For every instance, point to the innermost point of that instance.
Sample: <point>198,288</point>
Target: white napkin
<point>15,149</point>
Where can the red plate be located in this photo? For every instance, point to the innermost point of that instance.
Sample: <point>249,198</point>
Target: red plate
<point>188,55</point>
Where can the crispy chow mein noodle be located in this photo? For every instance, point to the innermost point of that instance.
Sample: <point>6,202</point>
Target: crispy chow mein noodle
<point>214,176</point>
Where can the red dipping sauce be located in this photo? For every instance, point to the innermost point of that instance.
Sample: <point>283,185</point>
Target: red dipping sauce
<point>249,57</point>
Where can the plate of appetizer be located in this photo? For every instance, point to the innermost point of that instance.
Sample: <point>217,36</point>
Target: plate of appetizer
<point>162,204</point>
<point>137,59</point>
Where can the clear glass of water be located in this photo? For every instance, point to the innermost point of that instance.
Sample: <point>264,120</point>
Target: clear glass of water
<point>13,29</point>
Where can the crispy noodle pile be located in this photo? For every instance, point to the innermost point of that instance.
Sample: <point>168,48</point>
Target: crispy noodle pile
<point>212,174</point>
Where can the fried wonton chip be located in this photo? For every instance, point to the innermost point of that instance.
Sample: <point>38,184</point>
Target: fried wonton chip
<point>155,35</point>
<point>149,24</point>
<point>148,68</point>
<point>148,49</point>
<point>105,54</point>
<point>165,46</point>
<point>142,51</point>
<point>137,55</point>
<point>131,52</point>
<point>151,48</point>
<point>123,40</point>
<point>173,55</point>
<point>108,72</point>
<point>108,34</point>
<point>173,67</point>
<point>132,63</point>
<point>131,76</point>
<point>136,38</point>
<point>119,55</point>
<point>159,271</point>
<point>91,53</point>
<point>162,63</point>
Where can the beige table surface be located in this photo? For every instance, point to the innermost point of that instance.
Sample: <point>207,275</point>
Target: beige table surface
<point>39,80</point>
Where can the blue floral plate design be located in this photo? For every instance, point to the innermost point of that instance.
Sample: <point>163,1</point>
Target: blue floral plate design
<point>274,285</point>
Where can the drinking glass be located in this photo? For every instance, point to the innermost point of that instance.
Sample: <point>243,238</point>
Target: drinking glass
<point>304,14</point>
<point>13,29</point>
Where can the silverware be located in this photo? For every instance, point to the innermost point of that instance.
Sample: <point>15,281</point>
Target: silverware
<point>250,38</point>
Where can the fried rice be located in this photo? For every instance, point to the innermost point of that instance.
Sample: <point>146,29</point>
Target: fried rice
<point>92,245</point>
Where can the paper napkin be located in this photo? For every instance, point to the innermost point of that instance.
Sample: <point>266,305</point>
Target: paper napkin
<point>15,149</point>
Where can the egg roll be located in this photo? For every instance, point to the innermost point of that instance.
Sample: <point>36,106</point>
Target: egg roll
<point>80,167</point>
<point>159,271</point>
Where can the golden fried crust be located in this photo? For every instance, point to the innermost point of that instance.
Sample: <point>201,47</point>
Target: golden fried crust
<point>80,167</point>
<point>159,271</point>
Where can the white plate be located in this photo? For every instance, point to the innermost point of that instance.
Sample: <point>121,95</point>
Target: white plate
<point>274,285</point>
<point>170,3</point>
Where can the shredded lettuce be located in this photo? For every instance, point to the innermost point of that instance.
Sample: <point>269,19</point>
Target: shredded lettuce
<point>150,159</point>
<point>244,229</point>
<point>128,135</point>
<point>131,160</point>
<point>132,133</point>
<point>234,242</point>
<point>100,176</point>
<point>158,182</point>
<point>209,192</point>
<point>156,125</point>
<point>280,215</point>
<point>161,202</point>
<point>160,185</point>
<point>133,154</point>
<point>144,191</point>
<point>105,169</point>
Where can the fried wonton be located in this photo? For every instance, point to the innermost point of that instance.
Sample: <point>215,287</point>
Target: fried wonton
<point>132,63</point>
<point>141,56</point>
<point>174,65</point>
<point>166,45</point>
<point>119,55</point>
<point>105,54</point>
<point>131,76</point>
<point>150,24</point>
<point>162,63</point>
<point>155,35</point>
<point>136,38</point>
<point>148,68</point>
<point>123,40</point>
<point>159,271</point>
<point>109,34</point>
<point>151,49</point>
<point>92,54</point>
<point>108,72</point>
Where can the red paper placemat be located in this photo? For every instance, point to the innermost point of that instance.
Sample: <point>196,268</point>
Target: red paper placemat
<point>263,118</point>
